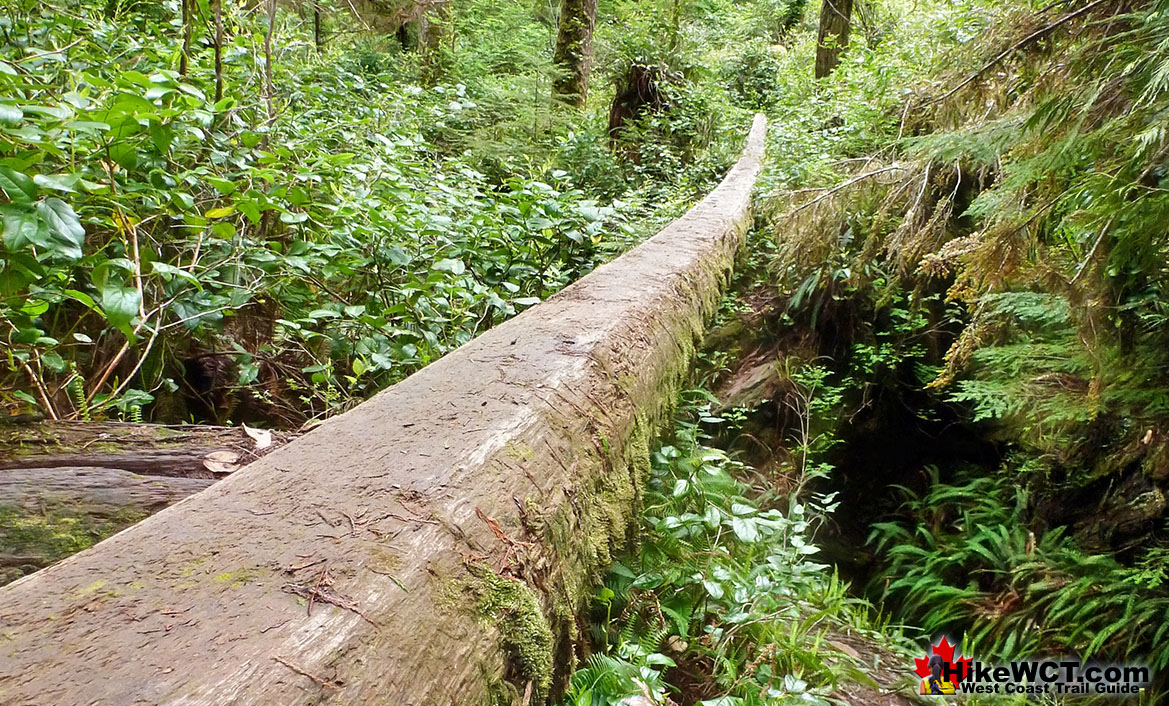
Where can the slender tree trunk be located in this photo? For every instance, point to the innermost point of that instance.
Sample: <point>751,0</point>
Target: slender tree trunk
<point>835,22</point>
<point>574,49</point>
<point>269,88</point>
<point>676,25</point>
<point>317,36</point>
<point>185,59</point>
<point>218,50</point>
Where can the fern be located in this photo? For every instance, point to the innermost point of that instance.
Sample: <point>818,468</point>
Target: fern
<point>76,391</point>
<point>990,576</point>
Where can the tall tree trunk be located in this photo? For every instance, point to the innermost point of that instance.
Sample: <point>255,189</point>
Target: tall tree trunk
<point>218,50</point>
<point>318,38</point>
<point>574,49</point>
<point>185,59</point>
<point>835,22</point>
<point>269,89</point>
<point>433,26</point>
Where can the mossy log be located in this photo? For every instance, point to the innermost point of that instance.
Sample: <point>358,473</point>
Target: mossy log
<point>433,545</point>
<point>46,514</point>
<point>149,449</point>
<point>65,486</point>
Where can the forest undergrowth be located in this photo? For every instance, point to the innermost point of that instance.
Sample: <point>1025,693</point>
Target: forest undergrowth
<point>957,277</point>
<point>213,213</point>
<point>987,290</point>
<point>961,251</point>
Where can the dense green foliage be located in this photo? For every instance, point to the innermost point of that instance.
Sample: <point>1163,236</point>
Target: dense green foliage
<point>968,555</point>
<point>723,597</point>
<point>998,261</point>
<point>334,220</point>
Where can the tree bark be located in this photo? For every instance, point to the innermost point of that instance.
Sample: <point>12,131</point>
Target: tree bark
<point>67,485</point>
<point>318,38</point>
<point>184,60</point>
<point>148,449</point>
<point>835,23</point>
<point>574,50</point>
<point>49,513</point>
<point>434,25</point>
<point>431,546</point>
<point>218,50</point>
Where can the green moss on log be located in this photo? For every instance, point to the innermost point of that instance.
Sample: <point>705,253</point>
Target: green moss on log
<point>512,607</point>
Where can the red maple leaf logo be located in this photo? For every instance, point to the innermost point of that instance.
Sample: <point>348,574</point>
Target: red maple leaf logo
<point>946,651</point>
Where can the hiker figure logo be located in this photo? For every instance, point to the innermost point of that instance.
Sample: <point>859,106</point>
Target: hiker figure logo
<point>940,673</point>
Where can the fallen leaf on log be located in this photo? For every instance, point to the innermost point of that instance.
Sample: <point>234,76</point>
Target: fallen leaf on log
<point>262,437</point>
<point>221,461</point>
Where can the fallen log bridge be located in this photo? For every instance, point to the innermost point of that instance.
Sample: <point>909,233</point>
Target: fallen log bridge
<point>431,546</point>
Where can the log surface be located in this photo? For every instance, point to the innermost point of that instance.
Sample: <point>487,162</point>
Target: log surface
<point>92,491</point>
<point>64,486</point>
<point>146,449</point>
<point>354,565</point>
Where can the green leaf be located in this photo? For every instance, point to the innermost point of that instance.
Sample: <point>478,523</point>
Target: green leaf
<point>121,306</point>
<point>10,114</point>
<point>162,137</point>
<point>714,588</point>
<point>54,361</point>
<point>293,217</point>
<point>63,223</point>
<point>223,186</point>
<point>397,255</point>
<point>168,271</point>
<point>250,209</point>
<point>248,373</point>
<point>84,299</point>
<point>223,212</point>
<point>182,200</point>
<point>451,265</point>
<point>21,228</point>
<point>125,154</point>
<point>57,182</point>
<point>745,529</point>
<point>156,92</point>
<point>19,189</point>
<point>135,77</point>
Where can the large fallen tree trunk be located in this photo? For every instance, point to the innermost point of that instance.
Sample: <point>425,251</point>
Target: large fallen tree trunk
<point>180,451</point>
<point>47,514</point>
<point>64,486</point>
<point>431,546</point>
